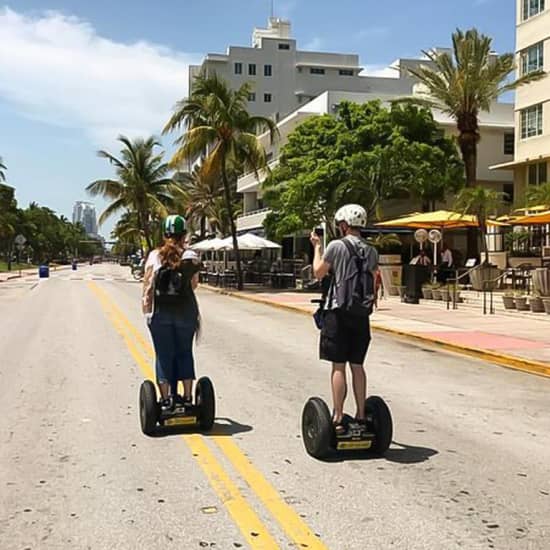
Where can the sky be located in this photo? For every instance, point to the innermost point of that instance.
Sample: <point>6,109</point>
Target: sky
<point>74,74</point>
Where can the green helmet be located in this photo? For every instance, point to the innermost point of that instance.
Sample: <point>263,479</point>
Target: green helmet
<point>174,226</point>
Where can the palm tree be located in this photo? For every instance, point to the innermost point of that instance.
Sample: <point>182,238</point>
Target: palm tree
<point>480,202</point>
<point>538,194</point>
<point>465,83</point>
<point>142,185</point>
<point>217,124</point>
<point>2,169</point>
<point>199,194</point>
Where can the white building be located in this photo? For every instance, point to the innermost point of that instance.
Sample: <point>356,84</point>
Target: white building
<point>497,128</point>
<point>285,78</point>
<point>84,213</point>
<point>532,110</point>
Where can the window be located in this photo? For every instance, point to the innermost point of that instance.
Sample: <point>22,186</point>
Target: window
<point>252,69</point>
<point>267,98</point>
<point>508,190</point>
<point>252,96</point>
<point>345,72</point>
<point>532,8</point>
<point>238,68</point>
<point>283,46</point>
<point>537,173</point>
<point>316,70</point>
<point>267,70</point>
<point>532,59</point>
<point>509,140</point>
<point>531,121</point>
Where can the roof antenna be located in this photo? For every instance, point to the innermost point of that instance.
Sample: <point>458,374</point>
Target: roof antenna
<point>271,9</point>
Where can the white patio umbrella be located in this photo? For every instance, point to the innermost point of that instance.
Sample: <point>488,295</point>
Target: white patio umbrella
<point>208,245</point>
<point>249,241</point>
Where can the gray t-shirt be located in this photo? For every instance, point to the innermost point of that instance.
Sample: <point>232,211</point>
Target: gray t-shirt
<point>337,255</point>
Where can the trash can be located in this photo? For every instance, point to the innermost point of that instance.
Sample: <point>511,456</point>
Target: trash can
<point>73,266</point>
<point>43,272</point>
<point>414,276</point>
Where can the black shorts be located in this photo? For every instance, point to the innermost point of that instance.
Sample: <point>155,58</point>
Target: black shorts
<point>344,338</point>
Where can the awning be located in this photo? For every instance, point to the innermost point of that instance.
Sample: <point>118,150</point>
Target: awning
<point>249,241</point>
<point>515,163</point>
<point>535,219</point>
<point>441,219</point>
<point>208,245</point>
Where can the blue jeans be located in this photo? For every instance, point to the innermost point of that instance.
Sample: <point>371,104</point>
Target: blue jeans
<point>173,334</point>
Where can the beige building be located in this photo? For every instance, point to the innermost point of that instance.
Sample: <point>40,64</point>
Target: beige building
<point>532,109</point>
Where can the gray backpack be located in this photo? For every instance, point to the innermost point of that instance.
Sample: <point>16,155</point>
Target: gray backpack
<point>356,294</point>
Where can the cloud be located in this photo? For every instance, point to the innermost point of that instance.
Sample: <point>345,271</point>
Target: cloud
<point>315,44</point>
<point>57,69</point>
<point>380,71</point>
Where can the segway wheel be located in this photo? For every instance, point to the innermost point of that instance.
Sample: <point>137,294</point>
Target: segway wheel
<point>206,402</point>
<point>376,407</point>
<point>148,407</point>
<point>317,428</point>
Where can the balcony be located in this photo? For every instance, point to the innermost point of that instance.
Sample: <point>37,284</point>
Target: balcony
<point>250,182</point>
<point>252,220</point>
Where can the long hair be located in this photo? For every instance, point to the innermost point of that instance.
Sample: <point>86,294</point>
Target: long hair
<point>170,252</point>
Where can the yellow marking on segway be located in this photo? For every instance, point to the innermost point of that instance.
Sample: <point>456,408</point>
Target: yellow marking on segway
<point>356,445</point>
<point>180,421</point>
<point>243,515</point>
<point>290,521</point>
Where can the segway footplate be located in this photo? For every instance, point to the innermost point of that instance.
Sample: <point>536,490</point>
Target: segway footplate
<point>356,438</point>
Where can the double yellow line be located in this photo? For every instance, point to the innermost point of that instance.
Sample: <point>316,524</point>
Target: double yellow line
<point>246,519</point>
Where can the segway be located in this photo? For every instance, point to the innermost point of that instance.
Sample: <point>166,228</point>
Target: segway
<point>320,438</point>
<point>201,413</point>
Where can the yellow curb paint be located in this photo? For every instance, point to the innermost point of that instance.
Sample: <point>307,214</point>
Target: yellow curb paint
<point>250,525</point>
<point>293,525</point>
<point>509,361</point>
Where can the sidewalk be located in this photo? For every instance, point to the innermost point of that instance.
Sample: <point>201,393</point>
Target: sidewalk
<point>517,340</point>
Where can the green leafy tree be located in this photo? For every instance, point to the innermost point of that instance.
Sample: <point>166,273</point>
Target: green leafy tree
<point>481,202</point>
<point>366,154</point>
<point>463,84</point>
<point>216,124</point>
<point>143,185</point>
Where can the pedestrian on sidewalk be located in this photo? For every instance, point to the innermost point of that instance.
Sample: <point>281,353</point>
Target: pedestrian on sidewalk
<point>345,334</point>
<point>444,269</point>
<point>172,313</point>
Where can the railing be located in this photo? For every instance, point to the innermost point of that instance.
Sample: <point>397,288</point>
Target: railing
<point>253,213</point>
<point>455,285</point>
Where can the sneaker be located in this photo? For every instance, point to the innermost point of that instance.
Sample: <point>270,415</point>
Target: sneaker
<point>167,405</point>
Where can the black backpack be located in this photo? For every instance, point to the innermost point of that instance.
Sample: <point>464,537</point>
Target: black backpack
<point>356,294</point>
<point>173,286</point>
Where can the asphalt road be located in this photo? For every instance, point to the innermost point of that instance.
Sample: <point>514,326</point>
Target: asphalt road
<point>468,467</point>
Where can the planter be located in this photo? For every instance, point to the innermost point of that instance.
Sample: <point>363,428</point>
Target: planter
<point>500,259</point>
<point>445,294</point>
<point>389,259</point>
<point>427,294</point>
<point>515,261</point>
<point>546,303</point>
<point>483,277</point>
<point>536,304</point>
<point>509,302</point>
<point>541,281</point>
<point>521,303</point>
<point>436,293</point>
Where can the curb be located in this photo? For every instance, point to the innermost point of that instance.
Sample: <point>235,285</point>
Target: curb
<point>31,273</point>
<point>503,360</point>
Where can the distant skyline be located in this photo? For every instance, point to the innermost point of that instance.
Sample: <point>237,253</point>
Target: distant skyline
<point>76,74</point>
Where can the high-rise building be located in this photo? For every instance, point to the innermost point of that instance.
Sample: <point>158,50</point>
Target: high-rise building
<point>84,213</point>
<point>531,164</point>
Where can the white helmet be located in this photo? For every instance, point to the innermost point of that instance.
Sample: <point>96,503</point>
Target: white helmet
<point>353,214</point>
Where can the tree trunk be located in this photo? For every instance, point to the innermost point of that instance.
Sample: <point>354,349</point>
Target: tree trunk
<point>484,247</point>
<point>468,146</point>
<point>203,227</point>
<point>229,206</point>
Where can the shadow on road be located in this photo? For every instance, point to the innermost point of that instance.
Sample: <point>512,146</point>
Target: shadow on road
<point>404,454</point>
<point>222,427</point>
